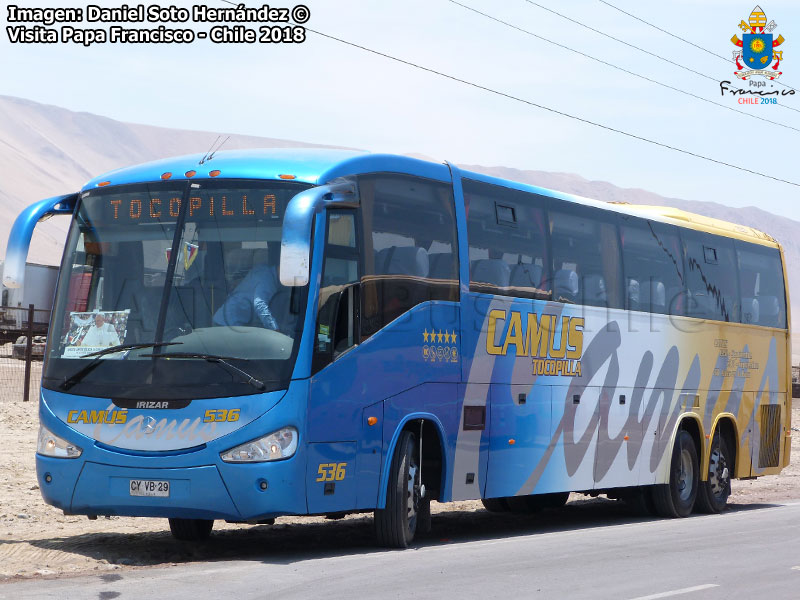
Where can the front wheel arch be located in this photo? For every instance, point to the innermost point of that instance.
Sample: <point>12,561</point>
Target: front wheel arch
<point>411,422</point>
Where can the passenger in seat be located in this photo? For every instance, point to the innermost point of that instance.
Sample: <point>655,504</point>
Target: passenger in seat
<point>248,304</point>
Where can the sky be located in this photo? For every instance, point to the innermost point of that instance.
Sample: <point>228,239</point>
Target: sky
<point>326,92</point>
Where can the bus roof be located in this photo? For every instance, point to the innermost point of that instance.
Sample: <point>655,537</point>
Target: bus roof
<point>308,165</point>
<point>318,166</point>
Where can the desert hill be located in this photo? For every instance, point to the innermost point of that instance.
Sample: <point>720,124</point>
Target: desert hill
<point>46,150</point>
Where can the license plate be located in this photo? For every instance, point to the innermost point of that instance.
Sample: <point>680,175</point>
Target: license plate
<point>148,487</point>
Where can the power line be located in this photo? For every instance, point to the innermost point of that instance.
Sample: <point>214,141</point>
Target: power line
<point>635,47</point>
<point>616,39</point>
<point>618,68</point>
<point>547,108</point>
<point>665,31</point>
<point>680,38</point>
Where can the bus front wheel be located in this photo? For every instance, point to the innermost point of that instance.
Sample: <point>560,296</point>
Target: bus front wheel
<point>190,530</point>
<point>396,524</point>
<point>676,498</point>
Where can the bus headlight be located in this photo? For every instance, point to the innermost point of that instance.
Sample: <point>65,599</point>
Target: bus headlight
<point>49,444</point>
<point>275,446</point>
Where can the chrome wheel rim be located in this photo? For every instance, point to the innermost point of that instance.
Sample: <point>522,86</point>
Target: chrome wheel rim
<point>685,475</point>
<point>718,474</point>
<point>412,492</point>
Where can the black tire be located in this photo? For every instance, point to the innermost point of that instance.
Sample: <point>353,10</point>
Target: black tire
<point>522,504</point>
<point>676,498</point>
<point>712,497</point>
<point>424,517</point>
<point>190,530</point>
<point>495,505</point>
<point>396,524</point>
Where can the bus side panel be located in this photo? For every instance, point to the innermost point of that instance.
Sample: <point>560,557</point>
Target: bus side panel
<point>422,345</point>
<point>613,467</point>
<point>520,432</point>
<point>331,477</point>
<point>431,400</point>
<point>745,422</point>
<point>667,369</point>
<point>471,445</point>
<point>369,458</point>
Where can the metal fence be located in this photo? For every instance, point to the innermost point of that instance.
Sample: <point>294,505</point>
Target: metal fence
<point>23,334</point>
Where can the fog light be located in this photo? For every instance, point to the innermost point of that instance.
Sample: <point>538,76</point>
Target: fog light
<point>48,478</point>
<point>263,485</point>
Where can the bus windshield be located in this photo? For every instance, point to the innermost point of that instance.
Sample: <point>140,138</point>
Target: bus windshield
<point>170,290</point>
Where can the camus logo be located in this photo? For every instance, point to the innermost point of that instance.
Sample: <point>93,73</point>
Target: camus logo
<point>109,417</point>
<point>555,344</point>
<point>758,48</point>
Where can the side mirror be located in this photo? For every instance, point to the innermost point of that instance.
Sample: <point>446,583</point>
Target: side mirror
<point>19,240</point>
<point>296,238</point>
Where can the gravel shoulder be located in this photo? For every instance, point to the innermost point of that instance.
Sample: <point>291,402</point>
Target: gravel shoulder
<point>38,540</point>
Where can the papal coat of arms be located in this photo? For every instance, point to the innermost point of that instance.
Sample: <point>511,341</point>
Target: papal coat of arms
<point>758,48</point>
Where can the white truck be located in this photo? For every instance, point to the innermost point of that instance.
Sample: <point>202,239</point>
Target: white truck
<point>40,283</point>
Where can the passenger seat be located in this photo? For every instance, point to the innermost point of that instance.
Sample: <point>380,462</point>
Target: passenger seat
<point>403,260</point>
<point>769,309</point>
<point>750,311</point>
<point>565,286</point>
<point>492,271</point>
<point>526,276</point>
<point>654,297</point>
<point>594,290</point>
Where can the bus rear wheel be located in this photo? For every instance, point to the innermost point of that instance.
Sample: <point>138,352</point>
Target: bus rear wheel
<point>676,498</point>
<point>190,530</point>
<point>713,494</point>
<point>396,524</point>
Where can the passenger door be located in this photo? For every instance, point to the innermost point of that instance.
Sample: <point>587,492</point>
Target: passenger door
<point>334,404</point>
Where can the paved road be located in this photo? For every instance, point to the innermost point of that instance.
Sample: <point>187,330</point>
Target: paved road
<point>750,552</point>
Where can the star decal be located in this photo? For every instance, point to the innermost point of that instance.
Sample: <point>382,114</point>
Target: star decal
<point>426,335</point>
<point>439,337</point>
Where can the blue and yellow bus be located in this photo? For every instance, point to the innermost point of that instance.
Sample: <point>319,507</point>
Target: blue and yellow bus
<point>304,332</point>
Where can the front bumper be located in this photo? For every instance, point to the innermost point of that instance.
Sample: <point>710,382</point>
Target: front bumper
<point>230,492</point>
<point>202,486</point>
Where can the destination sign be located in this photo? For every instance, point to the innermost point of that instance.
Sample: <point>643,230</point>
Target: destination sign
<point>212,205</point>
<point>220,206</point>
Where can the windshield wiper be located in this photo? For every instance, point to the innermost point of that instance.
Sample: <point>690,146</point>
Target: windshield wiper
<point>78,376</point>
<point>220,360</point>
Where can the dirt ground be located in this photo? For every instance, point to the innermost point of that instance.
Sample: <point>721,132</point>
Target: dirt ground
<point>38,540</point>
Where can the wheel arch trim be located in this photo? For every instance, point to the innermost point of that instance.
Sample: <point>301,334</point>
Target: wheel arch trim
<point>387,464</point>
<point>725,416</point>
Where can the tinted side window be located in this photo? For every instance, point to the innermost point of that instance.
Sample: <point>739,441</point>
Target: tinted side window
<point>586,260</point>
<point>653,260</point>
<point>711,277</point>
<point>507,241</point>
<point>761,284</point>
<point>410,248</point>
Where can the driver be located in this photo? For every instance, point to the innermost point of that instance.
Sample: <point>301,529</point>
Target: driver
<point>249,302</point>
